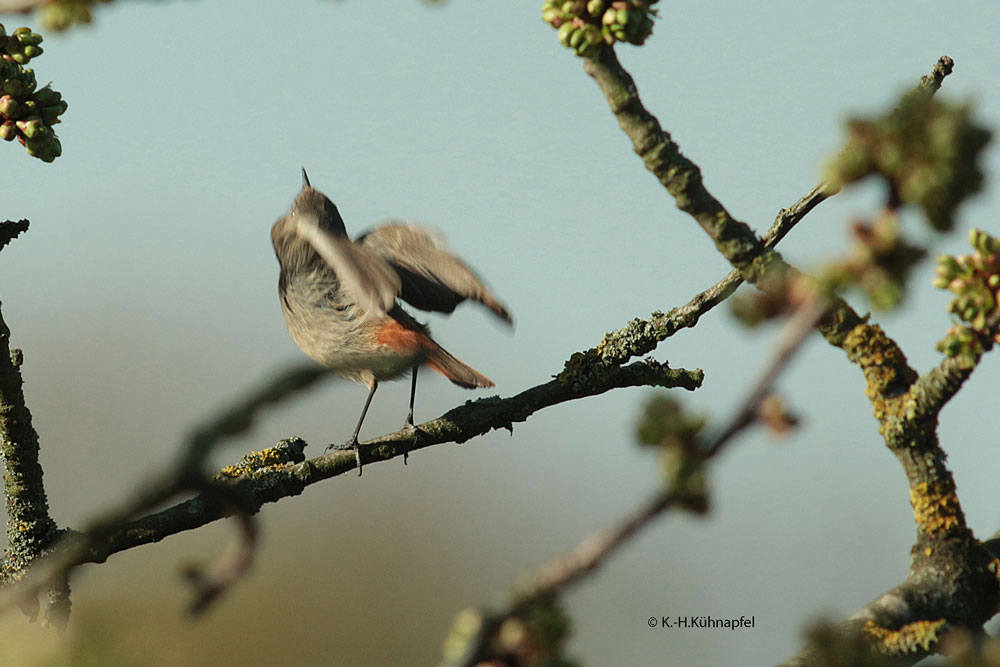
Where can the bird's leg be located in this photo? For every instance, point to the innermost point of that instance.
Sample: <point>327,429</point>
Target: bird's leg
<point>408,424</point>
<point>353,444</point>
<point>413,394</point>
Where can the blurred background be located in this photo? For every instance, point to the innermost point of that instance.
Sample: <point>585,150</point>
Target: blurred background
<point>144,297</point>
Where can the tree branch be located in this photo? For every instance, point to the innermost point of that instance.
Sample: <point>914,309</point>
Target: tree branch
<point>10,229</point>
<point>30,529</point>
<point>931,83</point>
<point>273,481</point>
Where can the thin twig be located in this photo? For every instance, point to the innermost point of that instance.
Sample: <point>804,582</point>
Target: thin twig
<point>595,548</point>
<point>561,572</point>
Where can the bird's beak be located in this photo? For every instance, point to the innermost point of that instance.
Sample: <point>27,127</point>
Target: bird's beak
<point>305,178</point>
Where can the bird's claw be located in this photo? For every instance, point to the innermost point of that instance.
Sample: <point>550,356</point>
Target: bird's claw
<point>353,444</point>
<point>416,433</point>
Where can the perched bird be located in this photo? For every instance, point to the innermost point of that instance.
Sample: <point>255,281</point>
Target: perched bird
<point>339,297</point>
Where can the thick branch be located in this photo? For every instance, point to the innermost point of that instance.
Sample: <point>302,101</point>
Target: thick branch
<point>30,529</point>
<point>681,177</point>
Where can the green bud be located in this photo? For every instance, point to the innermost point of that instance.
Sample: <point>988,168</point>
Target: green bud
<point>9,107</point>
<point>610,17</point>
<point>551,15</point>
<point>993,281</point>
<point>576,38</point>
<point>948,264</point>
<point>565,30</point>
<point>975,236</point>
<point>47,97</point>
<point>8,131</point>
<point>33,51</point>
<point>29,38</point>
<point>50,115</point>
<point>969,313</point>
<point>595,7</point>
<point>33,128</point>
<point>45,150</point>
<point>941,282</point>
<point>14,87</point>
<point>567,7</point>
<point>990,245</point>
<point>28,78</point>
<point>591,34</point>
<point>23,30</point>
<point>941,272</point>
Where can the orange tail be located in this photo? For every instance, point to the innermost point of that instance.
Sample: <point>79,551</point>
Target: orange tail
<point>439,360</point>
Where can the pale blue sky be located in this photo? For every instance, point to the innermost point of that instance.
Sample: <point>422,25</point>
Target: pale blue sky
<point>144,295</point>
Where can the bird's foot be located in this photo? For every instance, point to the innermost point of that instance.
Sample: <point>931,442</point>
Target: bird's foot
<point>415,433</point>
<point>352,444</point>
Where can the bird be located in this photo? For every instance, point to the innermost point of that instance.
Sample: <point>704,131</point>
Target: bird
<point>340,297</point>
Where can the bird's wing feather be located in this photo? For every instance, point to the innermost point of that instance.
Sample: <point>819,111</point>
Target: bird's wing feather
<point>364,273</point>
<point>432,278</point>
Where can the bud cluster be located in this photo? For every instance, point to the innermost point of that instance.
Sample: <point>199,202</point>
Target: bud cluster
<point>532,634</point>
<point>879,262</point>
<point>753,307</point>
<point>22,45</point>
<point>666,426</point>
<point>27,114</point>
<point>975,281</point>
<point>63,14</point>
<point>584,25</point>
<point>925,149</point>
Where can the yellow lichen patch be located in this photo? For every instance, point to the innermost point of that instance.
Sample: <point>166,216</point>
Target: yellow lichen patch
<point>23,526</point>
<point>230,471</point>
<point>910,638</point>
<point>882,362</point>
<point>928,551</point>
<point>600,346</point>
<point>935,507</point>
<point>266,459</point>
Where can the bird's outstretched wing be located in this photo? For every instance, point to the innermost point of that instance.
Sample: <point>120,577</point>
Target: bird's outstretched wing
<point>372,281</point>
<point>431,277</point>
